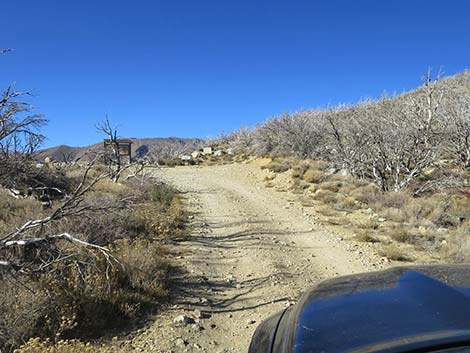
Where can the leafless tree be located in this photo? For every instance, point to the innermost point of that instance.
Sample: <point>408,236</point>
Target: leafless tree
<point>392,141</point>
<point>114,157</point>
<point>29,248</point>
<point>20,136</point>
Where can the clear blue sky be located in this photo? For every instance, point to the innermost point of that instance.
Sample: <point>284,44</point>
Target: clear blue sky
<point>194,68</point>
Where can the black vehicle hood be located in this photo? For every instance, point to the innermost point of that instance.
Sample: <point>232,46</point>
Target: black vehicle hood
<point>383,311</point>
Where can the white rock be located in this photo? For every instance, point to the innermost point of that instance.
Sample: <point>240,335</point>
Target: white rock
<point>183,320</point>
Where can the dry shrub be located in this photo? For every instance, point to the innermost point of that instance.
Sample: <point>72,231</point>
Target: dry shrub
<point>313,176</point>
<point>277,166</point>
<point>80,301</point>
<point>367,223</point>
<point>332,186</point>
<point>300,169</point>
<point>171,162</point>
<point>392,252</point>
<point>23,310</point>
<point>103,228</point>
<point>326,210</point>
<point>147,267</point>
<point>118,190</point>
<point>22,173</point>
<point>325,196</point>
<point>366,237</point>
<point>150,219</point>
<point>353,184</point>
<point>17,211</point>
<point>347,203</point>
<point>366,194</point>
<point>337,221</point>
<point>317,164</point>
<point>391,200</point>
<point>162,194</point>
<point>458,249</point>
<point>87,303</point>
<point>401,234</point>
<point>393,214</point>
<point>432,209</point>
<point>298,186</point>
<point>460,208</point>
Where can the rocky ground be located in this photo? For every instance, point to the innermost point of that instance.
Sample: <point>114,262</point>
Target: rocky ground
<point>252,251</point>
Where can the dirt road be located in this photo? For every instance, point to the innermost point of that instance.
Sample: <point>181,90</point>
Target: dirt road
<point>252,251</point>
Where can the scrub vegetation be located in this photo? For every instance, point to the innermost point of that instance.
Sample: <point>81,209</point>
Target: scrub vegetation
<point>396,169</point>
<point>82,244</point>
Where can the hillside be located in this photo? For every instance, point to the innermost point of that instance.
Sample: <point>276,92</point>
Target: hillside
<point>168,147</point>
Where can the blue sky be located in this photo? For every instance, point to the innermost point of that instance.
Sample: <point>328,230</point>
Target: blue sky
<point>196,68</point>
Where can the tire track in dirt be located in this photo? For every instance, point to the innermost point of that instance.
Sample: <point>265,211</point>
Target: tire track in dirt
<point>252,251</point>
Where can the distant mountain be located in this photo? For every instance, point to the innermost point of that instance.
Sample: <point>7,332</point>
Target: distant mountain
<point>165,147</point>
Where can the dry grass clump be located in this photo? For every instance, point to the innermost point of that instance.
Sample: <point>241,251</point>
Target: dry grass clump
<point>393,214</point>
<point>347,203</point>
<point>331,185</point>
<point>313,176</point>
<point>325,196</point>
<point>326,210</point>
<point>14,211</point>
<point>366,237</point>
<point>392,252</point>
<point>117,190</point>
<point>277,166</point>
<point>163,216</point>
<point>367,223</point>
<point>366,194</point>
<point>458,248</point>
<point>170,162</point>
<point>162,194</point>
<point>401,234</point>
<point>299,170</point>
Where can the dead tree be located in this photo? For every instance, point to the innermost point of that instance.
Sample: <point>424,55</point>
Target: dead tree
<point>29,237</point>
<point>114,157</point>
<point>20,135</point>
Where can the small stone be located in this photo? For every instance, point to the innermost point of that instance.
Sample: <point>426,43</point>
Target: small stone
<point>197,327</point>
<point>250,322</point>
<point>179,342</point>
<point>230,278</point>
<point>183,320</point>
<point>198,314</point>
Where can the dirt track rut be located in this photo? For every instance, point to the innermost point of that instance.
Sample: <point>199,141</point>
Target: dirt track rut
<point>252,251</point>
